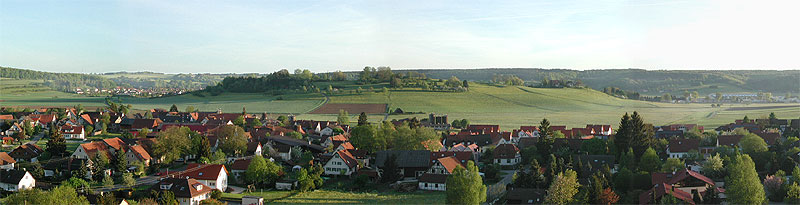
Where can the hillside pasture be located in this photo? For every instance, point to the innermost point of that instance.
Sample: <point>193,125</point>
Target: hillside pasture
<point>334,108</point>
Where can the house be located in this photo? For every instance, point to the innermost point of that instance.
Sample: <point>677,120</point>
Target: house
<point>655,194</point>
<point>137,153</point>
<point>412,163</point>
<point>679,148</point>
<point>238,168</point>
<point>684,184</point>
<point>14,129</point>
<point>525,196</point>
<point>486,128</point>
<point>436,177</point>
<point>254,148</point>
<point>66,166</point>
<point>6,161</point>
<point>91,149</point>
<point>212,175</point>
<point>506,154</point>
<point>15,180</point>
<point>335,140</point>
<point>72,132</point>
<point>7,140</point>
<point>187,191</point>
<point>341,163</point>
<point>26,153</point>
<point>437,122</point>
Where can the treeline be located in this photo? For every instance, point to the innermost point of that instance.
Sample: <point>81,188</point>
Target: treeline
<point>59,81</point>
<point>281,80</point>
<point>618,92</point>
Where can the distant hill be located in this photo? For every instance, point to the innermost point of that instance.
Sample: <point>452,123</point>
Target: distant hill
<point>649,82</point>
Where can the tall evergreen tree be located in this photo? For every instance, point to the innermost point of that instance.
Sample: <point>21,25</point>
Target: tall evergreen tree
<point>623,137</point>
<point>120,162</point>
<point>57,145</point>
<point>174,108</point>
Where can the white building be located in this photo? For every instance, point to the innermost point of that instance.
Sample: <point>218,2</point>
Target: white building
<point>187,191</point>
<point>73,132</point>
<point>342,163</point>
<point>15,180</point>
<point>436,177</point>
<point>212,175</point>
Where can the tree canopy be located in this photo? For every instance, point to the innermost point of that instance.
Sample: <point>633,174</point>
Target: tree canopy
<point>742,184</point>
<point>465,186</point>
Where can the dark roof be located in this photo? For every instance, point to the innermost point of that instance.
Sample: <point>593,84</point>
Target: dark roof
<point>405,158</point>
<point>240,164</point>
<point>66,165</point>
<point>683,145</point>
<point>182,187</point>
<point>573,144</point>
<point>505,151</point>
<point>523,196</point>
<point>769,137</point>
<point>295,142</point>
<point>433,178</point>
<point>11,176</point>
<point>26,151</point>
<point>729,140</point>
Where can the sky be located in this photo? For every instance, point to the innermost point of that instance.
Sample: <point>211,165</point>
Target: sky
<point>264,36</point>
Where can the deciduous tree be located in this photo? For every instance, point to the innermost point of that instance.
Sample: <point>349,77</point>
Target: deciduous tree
<point>465,186</point>
<point>742,184</point>
<point>563,188</point>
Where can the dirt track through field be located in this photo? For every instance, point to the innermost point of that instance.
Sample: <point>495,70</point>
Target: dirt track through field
<point>762,107</point>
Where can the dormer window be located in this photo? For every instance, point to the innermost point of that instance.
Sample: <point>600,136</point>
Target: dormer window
<point>166,186</point>
<point>200,174</point>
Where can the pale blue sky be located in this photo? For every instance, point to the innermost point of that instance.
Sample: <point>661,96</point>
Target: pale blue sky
<point>264,36</point>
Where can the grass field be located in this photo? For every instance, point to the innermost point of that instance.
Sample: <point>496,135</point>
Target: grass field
<point>14,93</point>
<point>508,106</point>
<point>513,106</point>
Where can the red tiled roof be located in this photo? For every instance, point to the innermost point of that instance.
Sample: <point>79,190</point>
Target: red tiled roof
<point>347,158</point>
<point>116,143</point>
<point>450,163</point>
<point>6,117</point>
<point>347,145</point>
<point>461,157</point>
<point>6,159</point>
<point>87,118</point>
<point>140,153</point>
<point>680,176</point>
<point>208,172</point>
<point>683,145</point>
<point>662,189</point>
<point>92,148</point>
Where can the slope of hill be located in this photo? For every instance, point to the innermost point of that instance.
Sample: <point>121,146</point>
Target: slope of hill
<point>650,82</point>
<point>513,106</point>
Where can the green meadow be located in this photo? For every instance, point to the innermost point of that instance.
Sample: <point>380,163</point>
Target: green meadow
<point>508,106</point>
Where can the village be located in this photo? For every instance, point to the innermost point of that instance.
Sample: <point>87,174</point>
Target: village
<point>172,157</point>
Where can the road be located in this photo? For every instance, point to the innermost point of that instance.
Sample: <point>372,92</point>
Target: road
<point>147,180</point>
<point>494,191</point>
